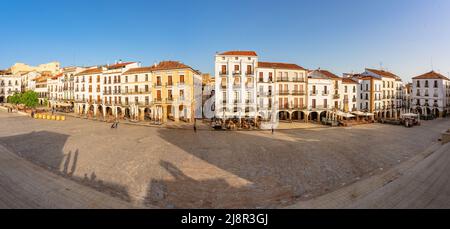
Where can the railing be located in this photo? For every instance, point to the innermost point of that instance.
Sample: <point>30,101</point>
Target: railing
<point>236,72</point>
<point>313,93</point>
<point>223,73</point>
<point>325,92</point>
<point>179,84</point>
<point>283,93</point>
<point>299,80</point>
<point>282,79</point>
<point>157,85</point>
<point>249,73</point>
<point>169,84</point>
<point>298,93</point>
<point>354,100</point>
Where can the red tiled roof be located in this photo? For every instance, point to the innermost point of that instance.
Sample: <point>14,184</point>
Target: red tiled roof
<point>90,71</point>
<point>119,65</point>
<point>167,65</point>
<point>279,65</point>
<point>348,81</point>
<point>56,76</point>
<point>383,73</point>
<point>239,53</point>
<point>431,75</point>
<point>138,70</point>
<point>328,74</point>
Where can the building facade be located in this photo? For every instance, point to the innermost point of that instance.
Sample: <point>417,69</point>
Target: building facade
<point>431,94</point>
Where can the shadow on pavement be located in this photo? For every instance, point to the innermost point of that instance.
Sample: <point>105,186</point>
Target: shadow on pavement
<point>46,149</point>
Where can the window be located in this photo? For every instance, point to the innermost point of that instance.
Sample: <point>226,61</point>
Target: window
<point>435,84</point>
<point>181,78</point>
<point>345,89</point>
<point>158,95</point>
<point>418,83</point>
<point>426,83</point>
<point>236,68</point>
<point>261,77</point>
<point>270,76</point>
<point>224,69</point>
<point>98,79</point>
<point>136,88</point>
<point>146,77</point>
<point>126,79</point>
<point>158,81</point>
<point>136,78</point>
<point>169,80</point>
<point>146,88</point>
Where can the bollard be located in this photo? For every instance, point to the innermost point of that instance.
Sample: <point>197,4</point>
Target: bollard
<point>58,118</point>
<point>44,116</point>
<point>53,117</point>
<point>49,117</point>
<point>63,118</point>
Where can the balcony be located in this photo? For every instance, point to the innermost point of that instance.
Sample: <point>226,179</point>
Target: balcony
<point>237,73</point>
<point>223,73</point>
<point>298,93</point>
<point>169,84</point>
<point>157,84</point>
<point>354,100</point>
<point>181,84</point>
<point>313,93</point>
<point>158,100</point>
<point>249,73</point>
<point>283,93</point>
<point>325,93</point>
<point>223,86</point>
<point>298,80</point>
<point>169,100</point>
<point>282,79</point>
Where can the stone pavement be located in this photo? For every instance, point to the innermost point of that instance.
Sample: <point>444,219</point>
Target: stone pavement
<point>26,185</point>
<point>213,169</point>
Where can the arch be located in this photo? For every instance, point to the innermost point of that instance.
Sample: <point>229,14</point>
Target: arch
<point>322,114</point>
<point>109,112</point>
<point>428,111</point>
<point>436,112</point>
<point>119,113</point>
<point>170,112</point>
<point>100,111</point>
<point>2,99</point>
<point>283,115</point>
<point>127,113</point>
<point>298,115</point>
<point>147,114</point>
<point>388,114</point>
<point>181,112</point>
<point>314,116</point>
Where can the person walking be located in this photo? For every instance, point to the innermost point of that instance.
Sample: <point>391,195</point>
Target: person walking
<point>195,125</point>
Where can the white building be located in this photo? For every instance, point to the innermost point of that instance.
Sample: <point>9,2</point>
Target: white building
<point>235,85</point>
<point>388,100</point>
<point>325,90</point>
<point>281,91</point>
<point>9,84</point>
<point>431,94</point>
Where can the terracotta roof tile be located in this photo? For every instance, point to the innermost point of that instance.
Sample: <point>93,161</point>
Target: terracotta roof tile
<point>90,71</point>
<point>119,65</point>
<point>279,65</point>
<point>348,81</point>
<point>383,73</point>
<point>239,53</point>
<point>431,75</point>
<point>138,70</point>
<point>328,74</point>
<point>168,65</point>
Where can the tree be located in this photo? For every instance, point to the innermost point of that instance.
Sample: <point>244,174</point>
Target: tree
<point>14,99</point>
<point>29,99</point>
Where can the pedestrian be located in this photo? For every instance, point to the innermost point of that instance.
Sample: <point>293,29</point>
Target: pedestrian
<point>273,130</point>
<point>32,113</point>
<point>195,125</point>
<point>117,124</point>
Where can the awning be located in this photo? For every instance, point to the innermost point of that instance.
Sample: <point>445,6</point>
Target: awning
<point>345,115</point>
<point>359,113</point>
<point>64,104</point>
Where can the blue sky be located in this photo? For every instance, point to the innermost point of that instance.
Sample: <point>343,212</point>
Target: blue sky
<point>404,36</point>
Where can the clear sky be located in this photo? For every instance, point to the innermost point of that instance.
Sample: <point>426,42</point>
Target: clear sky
<point>403,36</point>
